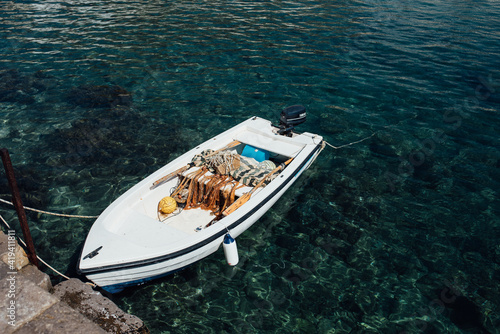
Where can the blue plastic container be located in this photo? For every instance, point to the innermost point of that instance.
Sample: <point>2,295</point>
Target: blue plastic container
<point>256,153</point>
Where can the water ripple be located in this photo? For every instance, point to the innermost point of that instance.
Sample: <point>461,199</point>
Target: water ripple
<point>366,239</point>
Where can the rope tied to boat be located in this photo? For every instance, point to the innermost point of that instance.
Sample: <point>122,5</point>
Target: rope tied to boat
<point>349,144</point>
<point>40,259</point>
<point>50,213</point>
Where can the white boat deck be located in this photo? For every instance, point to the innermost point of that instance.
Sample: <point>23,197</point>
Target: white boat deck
<point>137,227</point>
<point>189,220</point>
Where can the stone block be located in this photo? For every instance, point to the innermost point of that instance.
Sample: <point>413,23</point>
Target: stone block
<point>38,277</point>
<point>98,308</point>
<point>60,318</point>
<point>4,270</point>
<point>11,253</point>
<point>3,242</point>
<point>22,300</point>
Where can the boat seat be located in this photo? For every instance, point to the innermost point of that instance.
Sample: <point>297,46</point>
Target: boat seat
<point>272,143</point>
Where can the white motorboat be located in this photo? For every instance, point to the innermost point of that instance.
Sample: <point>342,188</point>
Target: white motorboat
<point>136,240</point>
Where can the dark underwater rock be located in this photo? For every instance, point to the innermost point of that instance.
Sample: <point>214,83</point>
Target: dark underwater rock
<point>31,184</point>
<point>104,96</point>
<point>348,303</point>
<point>96,139</point>
<point>333,124</point>
<point>466,315</point>
<point>287,242</point>
<point>15,87</point>
<point>346,232</point>
<point>115,138</point>
<point>382,150</point>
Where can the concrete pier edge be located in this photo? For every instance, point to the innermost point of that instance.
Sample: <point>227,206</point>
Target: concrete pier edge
<point>29,303</point>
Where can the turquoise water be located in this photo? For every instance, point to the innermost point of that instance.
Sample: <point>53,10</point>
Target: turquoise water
<point>398,233</point>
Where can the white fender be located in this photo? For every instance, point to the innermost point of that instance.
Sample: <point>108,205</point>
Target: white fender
<point>230,250</point>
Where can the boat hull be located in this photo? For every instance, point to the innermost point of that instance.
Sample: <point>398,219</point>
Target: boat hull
<point>115,277</point>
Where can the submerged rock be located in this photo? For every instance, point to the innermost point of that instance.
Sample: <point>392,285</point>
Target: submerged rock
<point>104,96</point>
<point>20,88</point>
<point>108,146</point>
<point>466,315</point>
<point>333,124</point>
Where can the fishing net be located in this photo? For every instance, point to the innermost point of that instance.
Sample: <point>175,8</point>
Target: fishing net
<point>212,186</point>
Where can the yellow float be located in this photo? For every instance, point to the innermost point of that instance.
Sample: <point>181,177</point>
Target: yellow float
<point>167,205</point>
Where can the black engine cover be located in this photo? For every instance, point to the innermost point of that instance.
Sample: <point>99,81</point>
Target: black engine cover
<point>292,116</point>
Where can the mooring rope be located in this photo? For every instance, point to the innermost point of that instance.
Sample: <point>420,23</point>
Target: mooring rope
<point>39,258</point>
<point>51,213</point>
<point>354,142</point>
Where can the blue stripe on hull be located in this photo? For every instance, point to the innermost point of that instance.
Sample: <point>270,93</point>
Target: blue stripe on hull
<point>115,288</point>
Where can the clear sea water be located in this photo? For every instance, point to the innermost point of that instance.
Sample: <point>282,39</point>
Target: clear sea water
<point>398,233</point>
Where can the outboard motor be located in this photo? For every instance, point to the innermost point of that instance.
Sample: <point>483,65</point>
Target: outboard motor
<point>290,117</point>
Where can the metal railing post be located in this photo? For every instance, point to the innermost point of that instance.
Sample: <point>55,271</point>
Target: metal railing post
<point>18,204</point>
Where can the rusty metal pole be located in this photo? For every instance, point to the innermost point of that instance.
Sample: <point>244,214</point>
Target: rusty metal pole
<point>18,204</point>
